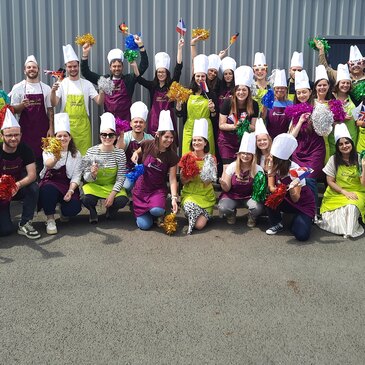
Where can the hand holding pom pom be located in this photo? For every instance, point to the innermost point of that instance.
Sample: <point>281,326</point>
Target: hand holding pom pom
<point>52,145</point>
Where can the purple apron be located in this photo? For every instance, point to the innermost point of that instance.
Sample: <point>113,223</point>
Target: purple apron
<point>150,189</point>
<point>241,188</point>
<point>228,143</point>
<point>160,102</point>
<point>132,146</point>
<point>223,96</point>
<point>277,121</point>
<point>119,103</point>
<point>34,122</point>
<point>306,203</point>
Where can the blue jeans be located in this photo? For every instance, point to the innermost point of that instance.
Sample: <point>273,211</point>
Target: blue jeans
<point>145,221</point>
<point>312,184</point>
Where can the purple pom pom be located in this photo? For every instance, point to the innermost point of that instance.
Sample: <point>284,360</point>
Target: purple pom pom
<point>337,110</point>
<point>122,125</point>
<point>296,110</point>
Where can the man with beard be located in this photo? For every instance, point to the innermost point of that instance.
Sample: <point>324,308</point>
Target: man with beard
<point>17,160</point>
<point>31,100</point>
<point>75,93</point>
<point>120,102</point>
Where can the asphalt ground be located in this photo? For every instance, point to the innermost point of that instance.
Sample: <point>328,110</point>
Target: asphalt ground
<point>112,294</point>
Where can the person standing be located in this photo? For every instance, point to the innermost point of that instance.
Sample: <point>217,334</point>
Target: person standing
<point>74,93</point>
<point>31,100</point>
<point>17,160</point>
<point>120,101</point>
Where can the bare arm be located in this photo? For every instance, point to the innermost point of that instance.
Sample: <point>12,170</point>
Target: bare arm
<point>226,182</point>
<point>173,187</point>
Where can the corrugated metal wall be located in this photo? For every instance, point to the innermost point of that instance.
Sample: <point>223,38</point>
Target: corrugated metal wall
<point>275,27</point>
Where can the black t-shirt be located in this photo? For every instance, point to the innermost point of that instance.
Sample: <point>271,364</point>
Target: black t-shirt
<point>226,109</point>
<point>23,151</point>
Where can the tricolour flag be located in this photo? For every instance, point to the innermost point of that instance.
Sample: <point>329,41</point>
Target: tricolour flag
<point>181,28</point>
<point>204,87</point>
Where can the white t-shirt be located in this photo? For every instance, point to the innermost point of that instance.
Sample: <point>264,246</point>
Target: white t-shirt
<point>231,169</point>
<point>78,87</point>
<point>22,88</point>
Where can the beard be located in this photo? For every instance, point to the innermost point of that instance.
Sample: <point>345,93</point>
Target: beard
<point>32,75</point>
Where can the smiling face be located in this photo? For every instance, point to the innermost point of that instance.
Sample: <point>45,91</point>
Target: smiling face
<point>107,137</point>
<point>260,73</point>
<point>31,70</point>
<point>72,68</point>
<point>344,86</point>
<point>228,76</point>
<point>11,138</point>
<point>138,125</point>
<point>65,139</point>
<point>165,140</point>
<point>262,142</point>
<point>212,73</point>
<point>303,95</point>
<point>116,68</point>
<point>322,88</point>
<point>356,67</point>
<point>198,144</point>
<point>241,92</point>
<point>280,93</point>
<point>344,146</point>
<point>245,157</point>
<point>161,74</point>
<point>200,77</point>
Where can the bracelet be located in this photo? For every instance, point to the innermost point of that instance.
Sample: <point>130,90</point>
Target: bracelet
<point>141,47</point>
<point>71,191</point>
<point>174,197</point>
<point>192,45</point>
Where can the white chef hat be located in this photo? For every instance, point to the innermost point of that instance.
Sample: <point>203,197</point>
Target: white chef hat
<point>69,54</point>
<point>243,75</point>
<point>259,60</point>
<point>200,128</point>
<point>61,123</point>
<point>9,120</point>
<point>280,79</point>
<point>30,58</point>
<point>165,121</point>
<point>162,60</point>
<point>297,59</point>
<point>201,63</point>
<point>248,143</point>
<point>341,131</point>
<point>283,146</point>
<point>228,63</point>
<point>321,73</point>
<point>107,122</point>
<point>260,127</point>
<point>114,55</point>
<point>301,80</point>
<point>214,61</point>
<point>355,54</point>
<point>139,110</point>
<point>342,73</point>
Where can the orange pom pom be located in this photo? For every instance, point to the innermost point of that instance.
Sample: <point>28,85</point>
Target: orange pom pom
<point>203,34</point>
<point>178,93</point>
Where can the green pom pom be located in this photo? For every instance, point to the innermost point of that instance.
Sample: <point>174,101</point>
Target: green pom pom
<point>312,45</point>
<point>243,126</point>
<point>259,187</point>
<point>130,55</point>
<point>358,90</point>
<point>362,155</point>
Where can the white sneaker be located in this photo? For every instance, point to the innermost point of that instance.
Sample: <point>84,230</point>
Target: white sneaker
<point>51,226</point>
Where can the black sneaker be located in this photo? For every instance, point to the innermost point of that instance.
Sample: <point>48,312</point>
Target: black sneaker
<point>28,230</point>
<point>275,229</point>
<point>93,218</point>
<point>111,213</point>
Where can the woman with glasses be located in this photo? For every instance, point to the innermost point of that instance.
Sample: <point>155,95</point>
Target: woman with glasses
<point>104,173</point>
<point>260,73</point>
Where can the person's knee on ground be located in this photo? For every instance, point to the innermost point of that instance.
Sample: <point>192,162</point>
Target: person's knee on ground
<point>201,222</point>
<point>145,221</point>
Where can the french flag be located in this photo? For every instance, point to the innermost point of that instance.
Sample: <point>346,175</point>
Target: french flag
<point>181,28</point>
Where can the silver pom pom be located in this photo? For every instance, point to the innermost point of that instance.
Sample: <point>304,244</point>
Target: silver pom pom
<point>271,78</point>
<point>209,170</point>
<point>322,119</point>
<point>87,161</point>
<point>106,84</point>
<point>253,89</point>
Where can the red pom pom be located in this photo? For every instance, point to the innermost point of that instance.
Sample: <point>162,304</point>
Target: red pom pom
<point>189,168</point>
<point>274,199</point>
<point>7,187</point>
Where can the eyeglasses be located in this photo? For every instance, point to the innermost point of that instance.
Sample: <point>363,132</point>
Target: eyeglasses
<point>17,135</point>
<point>107,135</point>
<point>355,63</point>
<point>260,69</point>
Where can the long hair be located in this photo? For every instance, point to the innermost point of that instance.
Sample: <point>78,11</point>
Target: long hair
<point>239,165</point>
<point>353,159</point>
<point>247,104</point>
<point>156,83</point>
<point>259,152</point>
<point>280,167</point>
<point>336,88</point>
<point>309,101</point>
<point>329,92</point>
<point>160,134</point>
<point>72,147</point>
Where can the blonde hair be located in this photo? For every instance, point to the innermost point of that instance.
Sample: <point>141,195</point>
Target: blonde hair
<point>239,163</point>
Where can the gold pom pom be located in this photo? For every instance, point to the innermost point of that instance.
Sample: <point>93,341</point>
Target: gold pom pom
<point>169,224</point>
<point>178,93</point>
<point>86,38</point>
<point>52,145</point>
<point>203,34</point>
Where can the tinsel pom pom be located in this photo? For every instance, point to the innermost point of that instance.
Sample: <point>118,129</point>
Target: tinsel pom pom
<point>130,43</point>
<point>135,173</point>
<point>87,162</point>
<point>5,96</point>
<point>322,119</point>
<point>312,44</point>
<point>274,199</point>
<point>294,112</point>
<point>242,127</point>
<point>169,224</point>
<point>86,38</point>
<point>188,166</point>
<point>337,110</point>
<point>209,169</point>
<point>253,89</point>
<point>130,55</point>
<point>121,125</point>
<point>7,187</point>
<point>203,34</point>
<point>178,93</point>
<point>358,90</point>
<point>106,84</point>
<point>268,99</point>
<point>52,145</point>
<point>3,112</point>
<point>259,187</point>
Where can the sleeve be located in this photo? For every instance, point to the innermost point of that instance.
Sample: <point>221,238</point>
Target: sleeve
<point>143,65</point>
<point>121,164</point>
<point>87,73</point>
<point>330,168</point>
<point>259,169</point>
<point>142,81</point>
<point>231,168</point>
<point>92,91</point>
<point>27,155</point>
<point>16,95</point>
<point>332,74</point>
<point>177,72</point>
<point>76,169</point>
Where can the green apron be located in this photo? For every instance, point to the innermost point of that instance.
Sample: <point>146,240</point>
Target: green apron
<point>104,183</point>
<point>79,121</point>
<point>197,108</point>
<point>361,140</point>
<point>348,178</point>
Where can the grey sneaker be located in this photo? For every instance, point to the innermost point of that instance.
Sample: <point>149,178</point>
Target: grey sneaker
<point>93,218</point>
<point>251,222</point>
<point>231,219</point>
<point>275,229</point>
<point>28,230</point>
<point>51,227</point>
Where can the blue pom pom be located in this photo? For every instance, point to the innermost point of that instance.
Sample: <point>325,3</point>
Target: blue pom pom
<point>131,44</point>
<point>268,99</point>
<point>136,172</point>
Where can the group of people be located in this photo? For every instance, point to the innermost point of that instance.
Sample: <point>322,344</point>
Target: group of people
<point>267,141</point>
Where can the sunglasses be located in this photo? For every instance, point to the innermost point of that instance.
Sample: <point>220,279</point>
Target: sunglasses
<point>107,135</point>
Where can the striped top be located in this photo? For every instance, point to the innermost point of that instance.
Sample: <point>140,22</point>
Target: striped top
<point>110,159</point>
